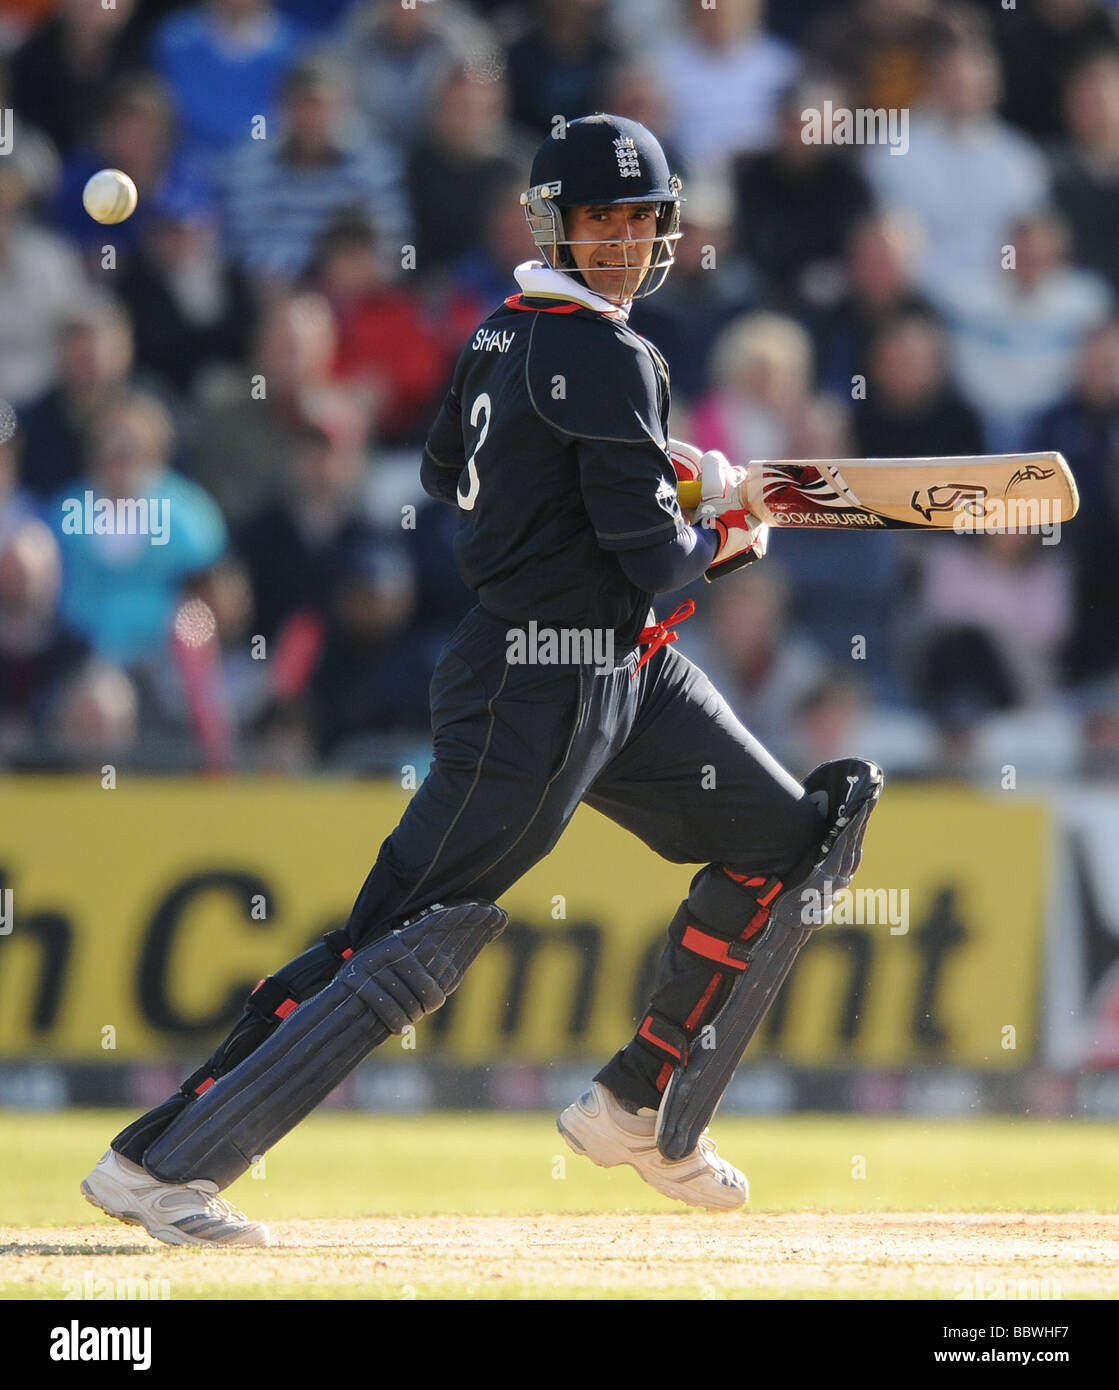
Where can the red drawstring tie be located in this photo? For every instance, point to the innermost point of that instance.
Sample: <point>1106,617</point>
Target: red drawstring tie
<point>661,634</point>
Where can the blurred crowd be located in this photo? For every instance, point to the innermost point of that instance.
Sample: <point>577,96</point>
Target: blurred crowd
<point>328,204</point>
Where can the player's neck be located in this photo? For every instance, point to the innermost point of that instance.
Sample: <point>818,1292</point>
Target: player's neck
<point>538,280</point>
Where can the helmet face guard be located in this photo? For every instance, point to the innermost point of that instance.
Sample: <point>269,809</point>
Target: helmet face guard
<point>544,212</point>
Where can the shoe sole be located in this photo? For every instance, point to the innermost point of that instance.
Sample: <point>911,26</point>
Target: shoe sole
<point>176,1238</point>
<point>676,1195</point>
<point>168,1235</point>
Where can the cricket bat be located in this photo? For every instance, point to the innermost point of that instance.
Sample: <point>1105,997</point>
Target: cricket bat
<point>986,493</point>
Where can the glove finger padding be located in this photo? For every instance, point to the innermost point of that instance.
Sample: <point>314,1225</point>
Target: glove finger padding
<point>685,460</point>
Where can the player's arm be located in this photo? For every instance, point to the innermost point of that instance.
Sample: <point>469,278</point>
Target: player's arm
<point>444,457</point>
<point>671,564</point>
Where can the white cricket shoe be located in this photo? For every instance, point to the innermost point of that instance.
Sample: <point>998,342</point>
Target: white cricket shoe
<point>178,1213</point>
<point>601,1129</point>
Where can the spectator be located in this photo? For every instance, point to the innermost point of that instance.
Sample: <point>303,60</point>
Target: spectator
<point>759,407</point>
<point>482,277</point>
<point>759,658</point>
<point>374,673</point>
<point>223,61</point>
<point>1086,169</point>
<point>633,89</point>
<point>125,567</point>
<point>16,504</point>
<point>466,155</point>
<point>878,276</point>
<point>215,689</point>
<point>40,278</point>
<point>827,720</point>
<point>636,26</point>
<point>881,48</point>
<point>706,290</point>
<point>996,613</point>
<point>61,72</point>
<point>797,205</point>
<point>37,653</point>
<point>317,15</point>
<point>96,717</point>
<point>559,64</point>
<point>723,80</point>
<point>28,148</point>
<point>1085,428</point>
<point>281,194</point>
<point>1015,332</point>
<point>134,132</point>
<point>191,310</point>
<point>399,54</point>
<point>386,342</point>
<point>240,448</point>
<point>1039,50</point>
<point>19,18</point>
<point>95,362</point>
<point>911,409</point>
<point>967,175</point>
<point>297,546</point>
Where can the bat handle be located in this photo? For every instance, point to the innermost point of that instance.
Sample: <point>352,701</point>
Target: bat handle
<point>689,492</point>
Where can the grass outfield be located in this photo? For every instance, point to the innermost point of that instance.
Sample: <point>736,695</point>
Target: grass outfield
<point>492,1205</point>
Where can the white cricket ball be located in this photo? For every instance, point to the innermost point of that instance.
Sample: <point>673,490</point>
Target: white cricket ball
<point>109,196</point>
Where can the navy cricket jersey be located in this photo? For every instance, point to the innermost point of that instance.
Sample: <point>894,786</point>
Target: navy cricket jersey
<point>556,427</point>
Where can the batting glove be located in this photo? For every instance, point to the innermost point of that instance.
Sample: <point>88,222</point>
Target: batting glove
<point>742,537</point>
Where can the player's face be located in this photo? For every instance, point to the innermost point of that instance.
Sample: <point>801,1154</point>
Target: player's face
<point>614,246</point>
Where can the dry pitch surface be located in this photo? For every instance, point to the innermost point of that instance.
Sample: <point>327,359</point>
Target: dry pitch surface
<point>767,1255</point>
<point>478,1206</point>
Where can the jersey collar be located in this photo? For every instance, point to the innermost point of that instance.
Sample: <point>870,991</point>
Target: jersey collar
<point>540,281</point>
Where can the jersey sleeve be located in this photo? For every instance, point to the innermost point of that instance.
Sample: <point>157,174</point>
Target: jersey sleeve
<point>444,447</point>
<point>629,491</point>
<point>602,389</point>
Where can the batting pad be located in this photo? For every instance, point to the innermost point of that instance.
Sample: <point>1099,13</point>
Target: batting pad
<point>849,790</point>
<point>379,991</point>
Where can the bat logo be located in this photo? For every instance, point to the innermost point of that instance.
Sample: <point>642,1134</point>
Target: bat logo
<point>1032,473</point>
<point>826,489</point>
<point>951,497</point>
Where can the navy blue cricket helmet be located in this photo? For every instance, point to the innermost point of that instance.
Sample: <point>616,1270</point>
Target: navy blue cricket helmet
<point>600,160</point>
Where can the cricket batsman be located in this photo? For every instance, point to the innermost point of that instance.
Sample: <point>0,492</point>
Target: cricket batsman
<point>553,445</point>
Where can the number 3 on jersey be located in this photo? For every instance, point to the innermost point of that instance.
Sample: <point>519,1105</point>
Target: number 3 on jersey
<point>480,409</point>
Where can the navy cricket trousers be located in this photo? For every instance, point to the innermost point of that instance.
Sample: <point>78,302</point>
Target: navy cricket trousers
<point>518,747</point>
